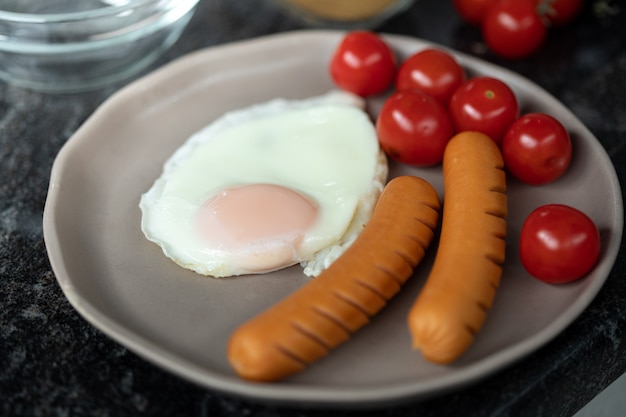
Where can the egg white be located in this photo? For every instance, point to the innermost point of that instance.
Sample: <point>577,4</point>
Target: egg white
<point>324,147</point>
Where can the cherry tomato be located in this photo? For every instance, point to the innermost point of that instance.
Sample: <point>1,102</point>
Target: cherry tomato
<point>537,149</point>
<point>486,105</point>
<point>472,11</point>
<point>513,29</point>
<point>559,12</point>
<point>433,71</point>
<point>559,243</point>
<point>414,128</point>
<point>363,64</point>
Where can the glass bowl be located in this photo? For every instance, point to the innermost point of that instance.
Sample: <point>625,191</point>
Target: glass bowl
<point>69,45</point>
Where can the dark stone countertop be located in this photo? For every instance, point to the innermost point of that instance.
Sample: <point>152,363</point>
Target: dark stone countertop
<point>53,363</point>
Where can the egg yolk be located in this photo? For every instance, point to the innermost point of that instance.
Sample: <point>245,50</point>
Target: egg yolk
<point>262,224</point>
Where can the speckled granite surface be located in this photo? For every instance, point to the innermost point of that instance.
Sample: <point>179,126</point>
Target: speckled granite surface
<point>52,363</point>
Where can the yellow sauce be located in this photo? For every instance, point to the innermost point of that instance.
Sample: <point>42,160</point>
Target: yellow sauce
<point>343,10</point>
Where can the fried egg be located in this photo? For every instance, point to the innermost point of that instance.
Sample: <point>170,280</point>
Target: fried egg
<point>268,186</point>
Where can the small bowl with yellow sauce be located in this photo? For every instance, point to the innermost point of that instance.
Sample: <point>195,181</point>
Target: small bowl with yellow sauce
<point>344,14</point>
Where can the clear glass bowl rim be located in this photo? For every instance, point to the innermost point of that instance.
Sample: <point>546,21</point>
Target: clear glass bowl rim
<point>81,16</point>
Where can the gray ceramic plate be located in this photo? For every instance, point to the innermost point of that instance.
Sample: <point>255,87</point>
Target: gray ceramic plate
<point>124,286</point>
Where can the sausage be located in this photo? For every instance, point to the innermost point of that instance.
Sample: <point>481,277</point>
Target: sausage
<point>324,312</point>
<point>460,289</point>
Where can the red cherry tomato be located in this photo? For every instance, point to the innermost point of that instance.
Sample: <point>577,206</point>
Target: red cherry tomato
<point>486,105</point>
<point>414,128</point>
<point>472,11</point>
<point>559,244</point>
<point>513,29</point>
<point>363,64</point>
<point>433,71</point>
<point>559,12</point>
<point>537,149</point>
